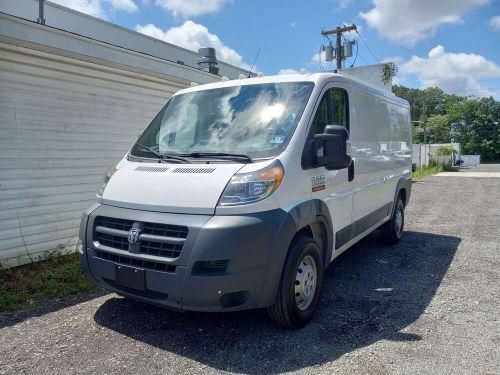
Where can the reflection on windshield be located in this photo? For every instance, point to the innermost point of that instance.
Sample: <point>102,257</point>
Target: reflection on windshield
<point>256,120</point>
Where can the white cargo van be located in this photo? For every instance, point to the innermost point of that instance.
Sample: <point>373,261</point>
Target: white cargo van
<point>239,194</point>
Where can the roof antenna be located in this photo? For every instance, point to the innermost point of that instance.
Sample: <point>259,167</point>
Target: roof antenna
<point>253,64</point>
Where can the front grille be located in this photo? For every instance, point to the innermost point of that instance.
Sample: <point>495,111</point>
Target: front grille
<point>166,250</point>
<point>114,223</point>
<point>165,230</point>
<point>127,261</point>
<point>162,240</point>
<point>116,242</point>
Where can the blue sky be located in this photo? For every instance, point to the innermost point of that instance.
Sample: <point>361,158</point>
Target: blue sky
<point>454,44</point>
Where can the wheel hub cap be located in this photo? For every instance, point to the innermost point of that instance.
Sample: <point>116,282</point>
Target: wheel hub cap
<point>305,282</point>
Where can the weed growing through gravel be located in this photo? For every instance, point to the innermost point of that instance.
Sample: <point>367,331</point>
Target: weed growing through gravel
<point>55,277</point>
<point>428,170</point>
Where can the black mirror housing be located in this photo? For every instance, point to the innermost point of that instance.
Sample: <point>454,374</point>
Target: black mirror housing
<point>334,141</point>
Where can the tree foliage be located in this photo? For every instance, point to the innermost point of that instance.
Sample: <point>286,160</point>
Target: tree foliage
<point>473,122</point>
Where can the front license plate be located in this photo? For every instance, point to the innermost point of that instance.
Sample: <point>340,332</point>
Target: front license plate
<point>130,277</point>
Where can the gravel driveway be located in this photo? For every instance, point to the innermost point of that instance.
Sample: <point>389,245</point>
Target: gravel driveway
<point>429,305</point>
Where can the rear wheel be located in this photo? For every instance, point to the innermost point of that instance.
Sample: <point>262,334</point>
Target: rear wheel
<point>300,287</point>
<point>392,231</point>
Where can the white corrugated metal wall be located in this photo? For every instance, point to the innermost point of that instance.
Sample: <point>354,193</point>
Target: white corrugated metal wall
<point>63,123</point>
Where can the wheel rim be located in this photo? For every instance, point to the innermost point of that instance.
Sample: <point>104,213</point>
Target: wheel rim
<point>398,222</point>
<point>305,282</point>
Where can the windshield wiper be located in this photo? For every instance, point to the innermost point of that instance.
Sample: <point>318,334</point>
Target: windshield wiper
<point>219,155</point>
<point>163,156</point>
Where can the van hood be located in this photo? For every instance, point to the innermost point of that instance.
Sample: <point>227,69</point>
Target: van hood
<point>174,188</point>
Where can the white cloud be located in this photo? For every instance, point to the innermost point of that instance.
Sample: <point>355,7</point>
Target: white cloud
<point>193,36</point>
<point>191,8</point>
<point>398,60</point>
<point>293,24</point>
<point>459,73</point>
<point>409,21</point>
<point>126,5</point>
<point>95,7</point>
<point>343,4</point>
<point>495,23</point>
<point>90,7</point>
<point>287,71</point>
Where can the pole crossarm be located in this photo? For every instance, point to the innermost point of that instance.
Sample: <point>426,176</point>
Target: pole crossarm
<point>339,30</point>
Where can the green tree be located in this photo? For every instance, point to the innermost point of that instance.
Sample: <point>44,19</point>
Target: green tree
<point>438,129</point>
<point>475,124</point>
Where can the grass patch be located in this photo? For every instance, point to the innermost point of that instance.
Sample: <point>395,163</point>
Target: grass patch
<point>58,276</point>
<point>429,170</point>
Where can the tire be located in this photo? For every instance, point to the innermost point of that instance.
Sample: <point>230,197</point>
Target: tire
<point>297,297</point>
<point>392,231</point>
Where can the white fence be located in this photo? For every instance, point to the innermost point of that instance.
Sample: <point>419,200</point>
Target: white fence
<point>471,159</point>
<point>424,153</point>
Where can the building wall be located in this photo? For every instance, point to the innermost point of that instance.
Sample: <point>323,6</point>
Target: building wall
<point>63,124</point>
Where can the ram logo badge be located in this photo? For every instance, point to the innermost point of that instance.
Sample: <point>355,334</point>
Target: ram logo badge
<point>133,235</point>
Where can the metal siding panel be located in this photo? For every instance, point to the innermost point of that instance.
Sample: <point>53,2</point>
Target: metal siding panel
<point>64,122</point>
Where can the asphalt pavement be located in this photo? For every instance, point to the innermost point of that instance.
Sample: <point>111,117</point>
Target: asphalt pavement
<point>429,305</point>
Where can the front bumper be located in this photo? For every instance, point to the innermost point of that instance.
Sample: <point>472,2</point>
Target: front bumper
<point>247,254</point>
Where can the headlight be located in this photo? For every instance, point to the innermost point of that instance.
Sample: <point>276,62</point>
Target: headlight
<point>110,173</point>
<point>251,187</point>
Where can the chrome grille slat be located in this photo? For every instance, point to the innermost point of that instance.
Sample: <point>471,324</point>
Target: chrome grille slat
<point>128,261</point>
<point>111,231</point>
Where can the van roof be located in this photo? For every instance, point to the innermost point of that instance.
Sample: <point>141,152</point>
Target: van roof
<point>317,78</point>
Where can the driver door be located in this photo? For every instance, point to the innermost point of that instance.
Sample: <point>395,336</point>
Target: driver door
<point>333,187</point>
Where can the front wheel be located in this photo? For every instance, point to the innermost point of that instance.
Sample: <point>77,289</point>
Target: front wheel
<point>300,287</point>
<point>392,231</point>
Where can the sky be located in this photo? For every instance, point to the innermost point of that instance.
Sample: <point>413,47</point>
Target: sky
<point>453,44</point>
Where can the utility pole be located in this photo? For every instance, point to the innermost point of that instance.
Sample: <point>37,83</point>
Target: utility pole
<point>338,47</point>
<point>424,116</point>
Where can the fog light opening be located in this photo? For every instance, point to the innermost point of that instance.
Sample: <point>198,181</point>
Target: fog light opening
<point>234,299</point>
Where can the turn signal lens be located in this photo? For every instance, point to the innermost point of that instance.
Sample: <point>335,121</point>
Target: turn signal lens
<point>110,173</point>
<point>245,188</point>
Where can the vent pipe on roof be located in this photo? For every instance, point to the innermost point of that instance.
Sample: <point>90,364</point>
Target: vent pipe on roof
<point>207,60</point>
<point>40,18</point>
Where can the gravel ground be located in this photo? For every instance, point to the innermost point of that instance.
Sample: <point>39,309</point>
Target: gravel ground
<point>429,305</point>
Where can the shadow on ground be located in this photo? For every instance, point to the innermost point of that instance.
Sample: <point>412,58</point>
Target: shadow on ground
<point>48,306</point>
<point>371,293</point>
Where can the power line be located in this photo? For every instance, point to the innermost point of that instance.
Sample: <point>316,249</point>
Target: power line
<point>366,44</point>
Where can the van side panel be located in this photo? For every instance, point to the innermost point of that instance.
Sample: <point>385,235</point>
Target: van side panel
<point>370,138</point>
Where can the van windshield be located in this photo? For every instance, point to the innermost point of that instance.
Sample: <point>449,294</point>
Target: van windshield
<point>253,120</point>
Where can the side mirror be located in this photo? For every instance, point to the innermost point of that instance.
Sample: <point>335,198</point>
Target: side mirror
<point>332,148</point>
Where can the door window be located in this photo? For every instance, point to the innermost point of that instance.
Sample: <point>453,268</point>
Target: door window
<point>339,107</point>
<point>332,110</point>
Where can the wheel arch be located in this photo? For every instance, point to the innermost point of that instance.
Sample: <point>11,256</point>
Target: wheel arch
<point>311,218</point>
<point>403,189</point>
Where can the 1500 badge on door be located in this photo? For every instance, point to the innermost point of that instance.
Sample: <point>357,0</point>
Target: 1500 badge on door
<point>318,183</point>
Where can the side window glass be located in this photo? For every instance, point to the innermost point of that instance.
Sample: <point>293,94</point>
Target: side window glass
<point>339,107</point>
<point>321,118</point>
